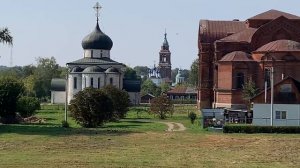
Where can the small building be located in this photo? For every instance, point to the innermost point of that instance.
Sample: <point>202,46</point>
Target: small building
<point>133,88</point>
<point>147,98</point>
<point>286,107</point>
<point>58,88</point>
<point>183,94</point>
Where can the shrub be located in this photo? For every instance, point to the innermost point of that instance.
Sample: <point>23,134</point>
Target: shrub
<point>249,129</point>
<point>193,117</point>
<point>11,89</point>
<point>26,106</point>
<point>161,106</point>
<point>91,108</point>
<point>120,99</point>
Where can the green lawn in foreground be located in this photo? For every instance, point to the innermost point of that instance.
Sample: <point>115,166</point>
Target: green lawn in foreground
<point>134,142</point>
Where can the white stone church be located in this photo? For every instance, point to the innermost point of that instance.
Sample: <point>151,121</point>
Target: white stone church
<point>96,69</point>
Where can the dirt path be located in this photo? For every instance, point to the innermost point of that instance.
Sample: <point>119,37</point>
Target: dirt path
<point>172,126</point>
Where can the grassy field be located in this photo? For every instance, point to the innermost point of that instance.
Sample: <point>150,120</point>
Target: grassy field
<point>133,142</point>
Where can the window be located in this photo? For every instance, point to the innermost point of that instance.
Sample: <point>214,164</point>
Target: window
<point>92,53</point>
<point>164,59</point>
<point>92,82</point>
<point>75,83</point>
<point>286,88</point>
<point>280,115</point>
<point>240,81</point>
<point>84,81</point>
<point>98,83</point>
<point>267,77</point>
<point>111,81</point>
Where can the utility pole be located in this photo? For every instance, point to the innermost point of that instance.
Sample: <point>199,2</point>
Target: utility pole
<point>66,91</point>
<point>272,94</point>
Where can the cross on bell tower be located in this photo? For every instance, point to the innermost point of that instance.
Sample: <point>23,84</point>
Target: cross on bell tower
<point>97,8</point>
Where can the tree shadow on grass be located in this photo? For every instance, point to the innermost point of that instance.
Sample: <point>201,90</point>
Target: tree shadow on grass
<point>55,130</point>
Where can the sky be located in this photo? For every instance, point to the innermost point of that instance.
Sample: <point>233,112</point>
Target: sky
<point>45,28</point>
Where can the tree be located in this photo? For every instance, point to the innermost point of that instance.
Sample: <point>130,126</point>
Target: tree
<point>130,73</point>
<point>10,91</point>
<point>5,36</point>
<point>249,91</point>
<point>141,70</point>
<point>193,75</point>
<point>91,108</point>
<point>149,87</point>
<point>120,99</point>
<point>161,106</point>
<point>46,69</point>
<point>27,106</point>
<point>165,87</point>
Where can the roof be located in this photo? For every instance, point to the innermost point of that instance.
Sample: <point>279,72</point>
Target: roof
<point>58,84</point>
<point>210,30</point>
<point>132,85</point>
<point>243,36</point>
<point>147,96</point>
<point>97,40</point>
<point>280,45</point>
<point>112,70</point>
<point>182,90</point>
<point>93,69</point>
<point>77,69</point>
<point>236,56</point>
<point>95,61</point>
<point>297,84</point>
<point>273,14</point>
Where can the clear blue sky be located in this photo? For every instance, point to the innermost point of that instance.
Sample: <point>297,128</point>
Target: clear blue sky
<point>45,28</point>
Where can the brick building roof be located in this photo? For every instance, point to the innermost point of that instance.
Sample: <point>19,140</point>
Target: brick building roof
<point>236,56</point>
<point>243,36</point>
<point>273,14</point>
<point>280,45</point>
<point>182,90</point>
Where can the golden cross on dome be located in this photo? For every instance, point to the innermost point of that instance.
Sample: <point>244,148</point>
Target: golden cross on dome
<point>97,8</point>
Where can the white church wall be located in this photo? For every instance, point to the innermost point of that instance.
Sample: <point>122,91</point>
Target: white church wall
<point>115,79</point>
<point>96,53</point>
<point>58,97</point>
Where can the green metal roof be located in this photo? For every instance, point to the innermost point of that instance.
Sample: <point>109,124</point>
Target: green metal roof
<point>58,84</point>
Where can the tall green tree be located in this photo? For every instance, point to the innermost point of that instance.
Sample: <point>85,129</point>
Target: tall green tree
<point>5,36</point>
<point>130,73</point>
<point>249,91</point>
<point>46,69</point>
<point>193,74</point>
<point>149,87</point>
<point>10,91</point>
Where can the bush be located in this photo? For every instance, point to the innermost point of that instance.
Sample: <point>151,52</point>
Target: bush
<point>11,90</point>
<point>91,108</point>
<point>120,99</point>
<point>249,129</point>
<point>161,106</point>
<point>193,117</point>
<point>26,106</point>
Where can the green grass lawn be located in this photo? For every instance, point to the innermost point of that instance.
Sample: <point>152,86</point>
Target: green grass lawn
<point>139,141</point>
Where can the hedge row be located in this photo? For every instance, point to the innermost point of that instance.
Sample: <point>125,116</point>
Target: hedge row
<point>249,129</point>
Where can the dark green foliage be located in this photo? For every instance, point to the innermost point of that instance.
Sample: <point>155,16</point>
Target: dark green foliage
<point>10,91</point>
<point>149,87</point>
<point>65,124</point>
<point>192,117</point>
<point>161,106</point>
<point>120,99</point>
<point>26,106</point>
<point>91,108</point>
<point>130,74</point>
<point>5,36</point>
<point>193,74</point>
<point>250,129</point>
<point>249,91</point>
<point>141,70</point>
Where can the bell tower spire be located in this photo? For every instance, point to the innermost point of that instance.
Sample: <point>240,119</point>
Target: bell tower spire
<point>165,60</point>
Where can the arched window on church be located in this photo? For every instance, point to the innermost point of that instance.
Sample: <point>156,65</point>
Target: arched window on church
<point>98,83</point>
<point>92,82</point>
<point>75,83</point>
<point>240,81</point>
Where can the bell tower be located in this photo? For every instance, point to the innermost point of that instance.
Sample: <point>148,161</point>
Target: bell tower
<point>165,61</point>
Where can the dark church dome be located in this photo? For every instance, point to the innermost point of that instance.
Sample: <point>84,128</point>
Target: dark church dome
<point>97,40</point>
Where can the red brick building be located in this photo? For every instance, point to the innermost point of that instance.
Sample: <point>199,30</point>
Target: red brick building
<point>233,52</point>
